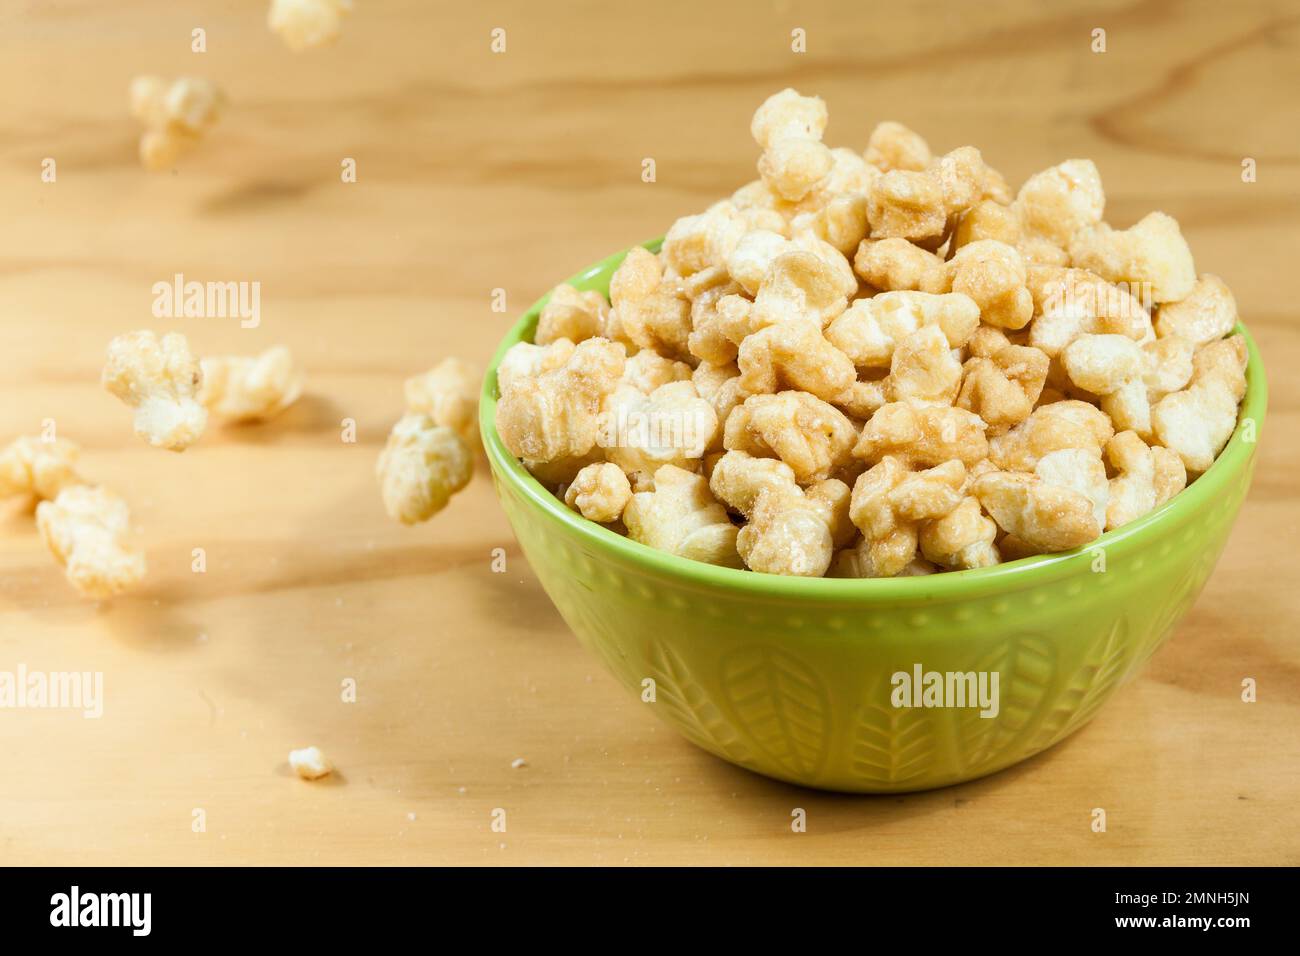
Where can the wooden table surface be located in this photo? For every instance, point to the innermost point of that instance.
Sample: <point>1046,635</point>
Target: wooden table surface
<point>479,171</point>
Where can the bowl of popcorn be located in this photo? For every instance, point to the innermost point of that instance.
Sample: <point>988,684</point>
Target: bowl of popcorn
<point>878,476</point>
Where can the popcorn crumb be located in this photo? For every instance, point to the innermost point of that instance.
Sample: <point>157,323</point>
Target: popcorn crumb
<point>518,762</point>
<point>310,763</point>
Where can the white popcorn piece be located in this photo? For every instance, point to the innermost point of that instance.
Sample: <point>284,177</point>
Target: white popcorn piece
<point>175,116</point>
<point>421,467</point>
<point>251,388</point>
<point>307,24</point>
<point>448,393</point>
<point>85,529</point>
<point>37,469</point>
<point>310,763</point>
<point>161,380</point>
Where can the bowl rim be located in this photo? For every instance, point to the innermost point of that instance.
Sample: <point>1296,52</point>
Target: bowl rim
<point>1008,576</point>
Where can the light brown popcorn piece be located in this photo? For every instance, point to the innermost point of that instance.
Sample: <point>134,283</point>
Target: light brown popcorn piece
<point>907,205</point>
<point>752,256</point>
<point>1003,386</point>
<point>37,470</point>
<point>422,465</point>
<point>794,355</point>
<point>1081,470</point>
<point>696,243</point>
<point>993,275</point>
<point>788,115</point>
<point>923,436</point>
<point>738,477</point>
<point>175,115</point>
<point>719,385</point>
<point>897,265</point>
<point>893,146</point>
<point>555,414</point>
<point>799,284</point>
<point>561,472</point>
<point>1049,428</point>
<point>923,369</point>
<point>599,492</point>
<point>793,532</point>
<point>85,529</point>
<point>683,518</point>
<point>815,439</point>
<point>160,379</point>
<point>1073,302</point>
<point>1060,202</point>
<point>526,360</point>
<point>307,24</point>
<point>1146,478</point>
<point>1197,422</point>
<point>647,370</point>
<point>856,562</point>
<point>889,502</point>
<point>841,222</point>
<point>1151,256</point>
<point>648,306</point>
<point>961,539</point>
<point>792,168</point>
<point>1102,364</point>
<point>1046,517</point>
<point>870,330</point>
<point>1209,312</point>
<point>253,388</point>
<point>671,425</point>
<point>573,315</point>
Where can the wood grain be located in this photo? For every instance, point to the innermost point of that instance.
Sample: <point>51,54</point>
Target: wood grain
<point>479,171</point>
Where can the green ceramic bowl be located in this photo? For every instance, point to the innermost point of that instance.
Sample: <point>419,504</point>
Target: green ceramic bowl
<point>793,677</point>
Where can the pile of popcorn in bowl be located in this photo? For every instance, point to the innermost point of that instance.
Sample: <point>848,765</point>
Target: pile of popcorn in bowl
<point>880,364</point>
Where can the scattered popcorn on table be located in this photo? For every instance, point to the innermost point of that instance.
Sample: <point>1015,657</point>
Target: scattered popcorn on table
<point>84,527</point>
<point>307,24</point>
<point>251,388</point>
<point>310,763</point>
<point>421,467</point>
<point>175,116</point>
<point>448,393</point>
<point>887,364</point>
<point>161,380</point>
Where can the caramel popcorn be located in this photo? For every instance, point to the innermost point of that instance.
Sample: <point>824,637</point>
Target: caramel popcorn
<point>175,116</point>
<point>599,492</point>
<point>310,763</point>
<point>161,380</point>
<point>241,388</point>
<point>307,24</point>
<point>422,465</point>
<point>891,363</point>
<point>38,470</point>
<point>85,529</point>
<point>448,394</point>
<point>682,517</point>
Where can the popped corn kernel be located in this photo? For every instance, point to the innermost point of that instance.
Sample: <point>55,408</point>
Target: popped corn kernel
<point>1146,478</point>
<point>648,305</point>
<point>1049,428</point>
<point>1209,312</point>
<point>647,370</point>
<point>599,492</point>
<point>696,243</point>
<point>556,414</point>
<point>422,465</point>
<point>788,115</point>
<point>671,425</point>
<point>250,388</point>
<point>993,275</point>
<point>1002,387</point>
<point>573,315</point>
<point>1045,516</point>
<point>1073,302</point>
<point>898,265</point>
<point>753,255</point>
<point>856,562</point>
<point>961,539</point>
<point>1151,255</point>
<point>794,356</point>
<point>719,385</point>
<point>526,360</point>
<point>1081,470</point>
<point>1197,422</point>
<point>923,369</point>
<point>801,284</point>
<point>310,763</point>
<point>840,222</point>
<point>870,330</point>
<point>448,393</point>
<point>907,205</point>
<point>85,529</point>
<point>923,436</point>
<point>307,24</point>
<point>1102,364</point>
<point>793,167</point>
<point>175,116</point>
<point>814,438</point>
<point>682,517</point>
<point>893,146</point>
<point>1060,202</point>
<point>795,532</point>
<point>38,470</point>
<point>890,502</point>
<point>160,379</point>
